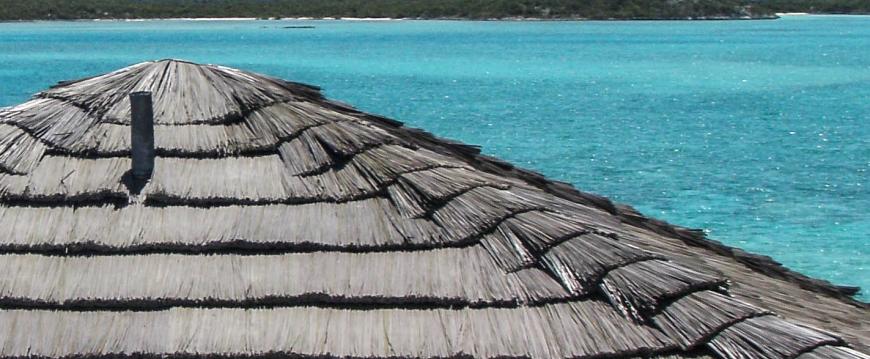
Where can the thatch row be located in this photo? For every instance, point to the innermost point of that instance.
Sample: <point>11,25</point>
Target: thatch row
<point>62,177</point>
<point>683,355</point>
<point>371,223</point>
<point>572,330</point>
<point>487,207</point>
<point>452,276</point>
<point>55,123</point>
<point>581,263</point>
<point>733,329</point>
<point>263,179</point>
<point>262,131</point>
<point>695,318</point>
<point>640,288</point>
<point>368,225</point>
<point>184,93</point>
<point>769,337</point>
<point>519,240</point>
<point>829,352</point>
<point>20,153</point>
<point>355,225</point>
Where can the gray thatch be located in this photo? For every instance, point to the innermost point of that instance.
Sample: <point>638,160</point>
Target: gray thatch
<point>278,223</point>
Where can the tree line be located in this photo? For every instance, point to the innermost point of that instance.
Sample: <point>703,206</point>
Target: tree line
<point>464,9</point>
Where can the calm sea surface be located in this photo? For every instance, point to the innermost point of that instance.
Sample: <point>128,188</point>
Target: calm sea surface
<point>758,131</point>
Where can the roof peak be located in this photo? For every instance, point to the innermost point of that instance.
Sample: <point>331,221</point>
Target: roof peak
<point>179,60</point>
<point>184,92</point>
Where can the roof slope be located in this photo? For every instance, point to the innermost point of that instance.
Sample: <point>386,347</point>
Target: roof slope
<point>280,223</point>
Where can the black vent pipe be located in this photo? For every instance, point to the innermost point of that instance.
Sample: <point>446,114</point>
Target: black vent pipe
<point>142,134</point>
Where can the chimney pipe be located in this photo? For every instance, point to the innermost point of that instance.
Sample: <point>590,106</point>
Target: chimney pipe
<point>142,134</point>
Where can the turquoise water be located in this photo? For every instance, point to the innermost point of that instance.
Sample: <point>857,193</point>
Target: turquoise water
<point>755,130</point>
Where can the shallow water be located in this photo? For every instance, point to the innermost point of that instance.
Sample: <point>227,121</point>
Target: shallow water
<point>755,130</point>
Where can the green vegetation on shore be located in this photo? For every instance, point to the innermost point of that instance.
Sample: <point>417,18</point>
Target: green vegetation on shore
<point>465,9</point>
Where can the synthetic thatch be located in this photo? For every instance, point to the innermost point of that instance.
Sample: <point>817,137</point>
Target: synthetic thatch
<point>278,223</point>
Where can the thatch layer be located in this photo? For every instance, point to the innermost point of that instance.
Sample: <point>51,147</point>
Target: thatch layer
<point>184,93</point>
<point>262,130</point>
<point>681,355</point>
<point>54,122</point>
<point>580,263</point>
<point>577,329</point>
<point>262,179</point>
<point>353,235</point>
<point>364,225</point>
<point>829,352</point>
<point>640,288</point>
<point>768,337</point>
<point>19,152</point>
<point>461,276</point>
<point>692,320</point>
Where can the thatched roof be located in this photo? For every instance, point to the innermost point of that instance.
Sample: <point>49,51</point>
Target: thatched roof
<point>279,223</point>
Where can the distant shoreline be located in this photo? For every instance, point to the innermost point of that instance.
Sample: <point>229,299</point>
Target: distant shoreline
<point>384,19</point>
<point>378,19</point>
<point>449,10</point>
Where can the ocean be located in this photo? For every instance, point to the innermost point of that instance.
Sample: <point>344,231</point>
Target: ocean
<point>757,131</point>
